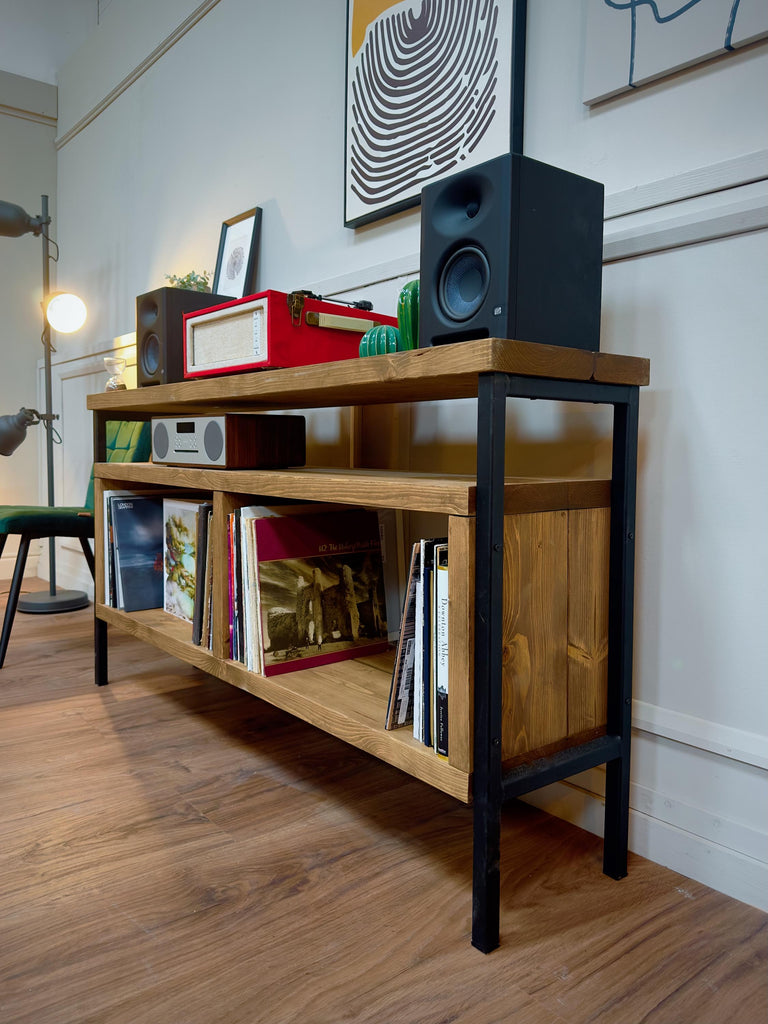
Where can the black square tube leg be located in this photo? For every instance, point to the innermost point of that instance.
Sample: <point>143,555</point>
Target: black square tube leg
<point>100,652</point>
<point>620,631</point>
<point>489,574</point>
<point>84,544</point>
<point>13,594</point>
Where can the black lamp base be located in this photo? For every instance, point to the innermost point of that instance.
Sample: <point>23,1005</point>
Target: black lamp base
<point>44,603</point>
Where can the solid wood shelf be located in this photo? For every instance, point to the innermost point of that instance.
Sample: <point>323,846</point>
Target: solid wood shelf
<point>423,492</point>
<point>346,698</point>
<point>428,374</point>
<point>528,641</point>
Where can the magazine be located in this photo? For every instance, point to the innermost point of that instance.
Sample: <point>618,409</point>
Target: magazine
<point>321,588</point>
<point>137,530</point>
<point>180,531</point>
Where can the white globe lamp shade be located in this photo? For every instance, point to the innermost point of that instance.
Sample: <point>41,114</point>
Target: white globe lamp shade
<point>65,312</point>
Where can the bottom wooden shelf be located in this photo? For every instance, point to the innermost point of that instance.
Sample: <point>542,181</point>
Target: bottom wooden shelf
<point>347,699</point>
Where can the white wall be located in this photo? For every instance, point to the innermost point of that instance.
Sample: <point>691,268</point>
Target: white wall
<point>40,35</point>
<point>168,129</point>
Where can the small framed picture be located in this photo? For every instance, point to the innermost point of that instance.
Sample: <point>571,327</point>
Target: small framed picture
<point>237,261</point>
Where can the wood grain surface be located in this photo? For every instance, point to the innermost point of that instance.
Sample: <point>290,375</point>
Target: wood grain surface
<point>554,629</point>
<point>426,374</point>
<point>172,849</point>
<point>452,494</point>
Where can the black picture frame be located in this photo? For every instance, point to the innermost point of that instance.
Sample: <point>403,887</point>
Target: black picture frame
<point>403,131</point>
<point>238,255</point>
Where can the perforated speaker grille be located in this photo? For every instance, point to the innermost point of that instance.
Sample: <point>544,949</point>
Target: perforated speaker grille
<point>160,440</point>
<point>213,441</point>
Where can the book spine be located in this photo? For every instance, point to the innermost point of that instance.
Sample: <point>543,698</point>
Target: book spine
<point>201,548</point>
<point>441,649</point>
<point>400,708</point>
<point>418,648</point>
<point>206,640</point>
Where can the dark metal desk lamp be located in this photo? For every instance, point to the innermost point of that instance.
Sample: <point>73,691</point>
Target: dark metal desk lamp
<point>66,313</point>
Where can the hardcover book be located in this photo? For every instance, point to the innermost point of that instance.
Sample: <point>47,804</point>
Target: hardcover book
<point>321,588</point>
<point>440,648</point>
<point>424,724</point>
<point>244,612</point>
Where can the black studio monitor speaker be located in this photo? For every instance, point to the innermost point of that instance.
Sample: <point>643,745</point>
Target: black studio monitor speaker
<point>160,332</point>
<point>512,248</point>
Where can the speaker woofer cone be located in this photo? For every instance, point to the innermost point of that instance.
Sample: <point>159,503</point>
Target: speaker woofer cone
<point>150,355</point>
<point>464,283</point>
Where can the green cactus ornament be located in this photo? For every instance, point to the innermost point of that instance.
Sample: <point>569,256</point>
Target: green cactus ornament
<point>378,341</point>
<point>408,315</point>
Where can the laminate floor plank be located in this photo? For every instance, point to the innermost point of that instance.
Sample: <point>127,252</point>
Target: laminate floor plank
<point>172,849</point>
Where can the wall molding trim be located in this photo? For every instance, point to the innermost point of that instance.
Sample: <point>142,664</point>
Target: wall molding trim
<point>700,181</point>
<point>28,99</point>
<point>718,215</point>
<point>162,48</point>
<point>736,210</point>
<point>736,744</point>
<point>27,115</point>
<point>377,274</point>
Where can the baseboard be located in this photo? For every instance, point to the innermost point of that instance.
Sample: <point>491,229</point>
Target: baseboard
<point>71,572</point>
<point>8,563</point>
<point>727,870</point>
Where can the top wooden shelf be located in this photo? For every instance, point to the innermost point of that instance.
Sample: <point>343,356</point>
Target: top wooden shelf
<point>428,374</point>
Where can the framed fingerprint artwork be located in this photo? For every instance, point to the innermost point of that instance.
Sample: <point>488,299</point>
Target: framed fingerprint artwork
<point>433,87</point>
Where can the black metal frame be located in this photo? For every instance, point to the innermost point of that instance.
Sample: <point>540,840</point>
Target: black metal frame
<point>100,629</point>
<point>491,786</point>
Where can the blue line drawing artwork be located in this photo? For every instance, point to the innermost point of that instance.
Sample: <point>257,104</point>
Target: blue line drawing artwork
<point>633,42</point>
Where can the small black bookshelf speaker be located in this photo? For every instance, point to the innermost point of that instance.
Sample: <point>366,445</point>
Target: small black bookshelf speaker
<point>160,332</point>
<point>512,248</point>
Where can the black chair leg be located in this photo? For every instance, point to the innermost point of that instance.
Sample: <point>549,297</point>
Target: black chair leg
<point>13,593</point>
<point>88,557</point>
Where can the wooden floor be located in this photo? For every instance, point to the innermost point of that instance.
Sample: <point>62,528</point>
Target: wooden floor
<point>172,851</point>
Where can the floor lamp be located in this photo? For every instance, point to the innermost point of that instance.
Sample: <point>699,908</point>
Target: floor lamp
<point>66,313</point>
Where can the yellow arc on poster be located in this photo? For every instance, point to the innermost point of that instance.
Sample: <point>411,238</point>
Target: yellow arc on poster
<point>363,13</point>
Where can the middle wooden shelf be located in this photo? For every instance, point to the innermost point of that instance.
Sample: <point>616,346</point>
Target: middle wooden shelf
<point>418,492</point>
<point>555,609</point>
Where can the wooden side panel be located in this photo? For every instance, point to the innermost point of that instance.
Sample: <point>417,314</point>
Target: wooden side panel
<point>98,539</point>
<point>535,695</point>
<point>461,645</point>
<point>555,631</point>
<point>588,554</point>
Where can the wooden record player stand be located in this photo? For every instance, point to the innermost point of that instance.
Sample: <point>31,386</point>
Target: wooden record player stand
<point>352,706</point>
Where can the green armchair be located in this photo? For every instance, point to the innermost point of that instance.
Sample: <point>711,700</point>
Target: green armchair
<point>125,442</point>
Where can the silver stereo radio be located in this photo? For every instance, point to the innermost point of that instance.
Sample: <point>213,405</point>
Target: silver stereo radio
<point>230,441</point>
